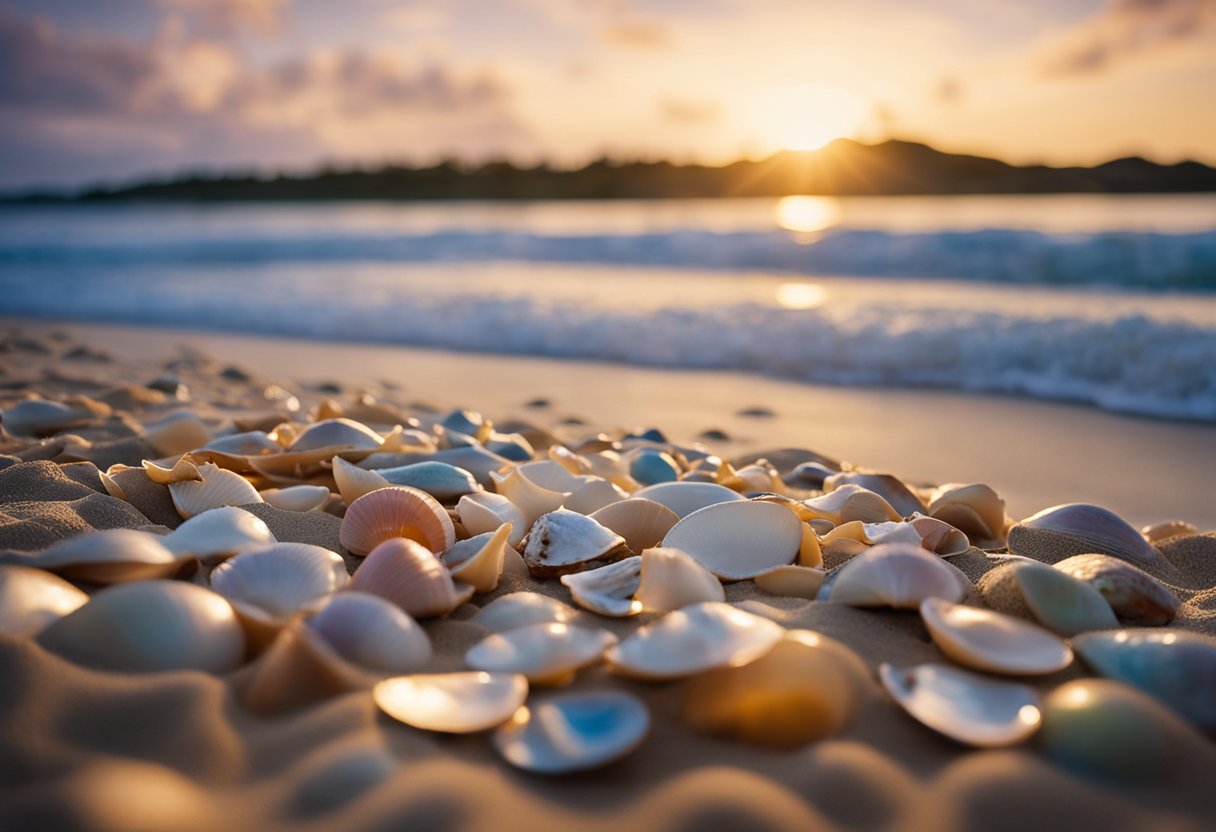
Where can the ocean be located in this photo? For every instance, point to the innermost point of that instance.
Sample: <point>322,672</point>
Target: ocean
<point>1106,300</point>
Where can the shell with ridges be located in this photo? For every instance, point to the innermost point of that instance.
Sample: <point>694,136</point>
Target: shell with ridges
<point>372,632</point>
<point>573,732</point>
<point>486,511</point>
<point>32,599</point>
<point>1087,529</point>
<point>671,579</point>
<point>280,579</point>
<point>607,590</point>
<point>973,709</point>
<point>1132,593</point>
<point>454,703</point>
<point>547,654</point>
<point>519,609</point>
<point>412,577</point>
<point>109,556</point>
<point>989,641</point>
<point>478,561</point>
<point>397,511</point>
<point>217,534</point>
<point>738,540</point>
<point>684,498</point>
<point>217,488</point>
<point>643,523</point>
<point>565,541</point>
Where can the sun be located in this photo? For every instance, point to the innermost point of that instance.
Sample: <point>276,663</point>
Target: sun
<point>809,116</point>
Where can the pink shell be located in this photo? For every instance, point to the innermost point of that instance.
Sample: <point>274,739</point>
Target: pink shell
<point>406,573</point>
<point>397,511</point>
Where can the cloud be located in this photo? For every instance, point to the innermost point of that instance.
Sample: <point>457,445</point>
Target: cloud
<point>1125,29</point>
<point>640,34</point>
<point>228,17</point>
<point>688,111</point>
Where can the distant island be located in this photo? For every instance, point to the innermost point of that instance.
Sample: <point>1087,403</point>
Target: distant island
<point>842,168</point>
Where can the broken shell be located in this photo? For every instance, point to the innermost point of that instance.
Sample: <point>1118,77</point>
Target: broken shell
<point>547,654</point>
<point>564,541</point>
<point>643,523</point>
<point>851,502</point>
<point>989,641</point>
<point>519,609</point>
<point>684,498</point>
<point>890,488</point>
<point>478,561</point>
<point>297,497</point>
<point>485,512</point>
<point>1060,602</point>
<point>217,534</point>
<point>372,632</point>
<point>298,669</point>
<point>573,732</point>
<point>608,590</point>
<point>738,540</point>
<point>218,488</point>
<point>973,709</point>
<point>549,474</point>
<point>177,433</point>
<point>412,577</point>
<point>149,626</point>
<point>182,471</point>
<point>109,556</point>
<point>353,482</point>
<point>899,575</point>
<point>975,509</point>
<point>397,511</point>
<point>593,495</point>
<point>1082,529</point>
<point>1166,529</point>
<point>671,579</point>
<point>454,703</point>
<point>280,579</point>
<point>870,534</point>
<point>939,536</point>
<point>339,432</point>
<point>1132,593</point>
<point>694,639</point>
<point>792,581</point>
<point>807,687</point>
<point>531,499</point>
<point>32,599</point>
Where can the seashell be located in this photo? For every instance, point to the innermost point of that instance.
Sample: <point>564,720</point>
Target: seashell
<point>146,626</point>
<point>1082,529</point>
<point>217,534</point>
<point>809,475</point>
<point>643,523</point>
<point>519,609</point>
<point>650,466</point>
<point>478,561</point>
<point>686,497</point>
<point>439,479</point>
<point>939,536</point>
<point>850,502</point>
<point>531,499</point>
<point>899,575</point>
<point>1166,529</point>
<point>1176,667</point>
<point>890,488</point>
<point>249,443</point>
<point>806,687</point>
<point>1058,601</point>
<point>408,574</point>
<point>177,433</point>
<point>792,581</point>
<point>371,632</point>
<point>568,459</point>
<point>332,433</point>
<point>564,541</point>
<point>738,540</point>
<point>397,511</point>
<point>671,579</point>
<point>972,709</point>
<point>871,534</point>
<point>573,732</point>
<point>478,461</point>
<point>217,488</point>
<point>299,669</point>
<point>547,654</point>
<point>182,471</point>
<point>32,599</point>
<point>759,476</point>
<point>512,446</point>
<point>976,510</point>
<point>279,580</point>
<point>108,557</point>
<point>485,512</point>
<point>297,497</point>
<point>549,474</point>
<point>1132,593</point>
<point>593,495</point>
<point>40,417</point>
<point>608,590</point>
<point>353,482</point>
<point>453,703</point>
<point>692,640</point>
<point>468,422</point>
<point>989,641</point>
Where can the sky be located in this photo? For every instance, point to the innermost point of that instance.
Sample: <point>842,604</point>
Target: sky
<point>115,90</point>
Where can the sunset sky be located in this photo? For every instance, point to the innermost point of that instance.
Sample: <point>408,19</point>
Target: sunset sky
<point>106,91</point>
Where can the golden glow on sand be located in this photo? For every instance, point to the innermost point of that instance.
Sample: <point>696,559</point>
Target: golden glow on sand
<point>807,213</point>
<point>801,295</point>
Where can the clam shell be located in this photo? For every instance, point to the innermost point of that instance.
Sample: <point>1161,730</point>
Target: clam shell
<point>372,632</point>
<point>1058,601</point>
<point>39,417</point>
<point>532,500</point>
<point>549,474</point>
<point>340,432</point>
<point>439,479</point>
<point>353,482</point>
<point>109,556</point>
<point>989,641</point>
<point>1081,529</point>
<point>593,495</point>
<point>738,540</point>
<point>1132,593</point>
<point>32,599</point>
<point>249,443</point>
<point>217,488</point>
<point>643,523</point>
<point>565,541</point>
<point>975,509</point>
<point>298,670</point>
<point>806,687</point>
<point>280,579</point>
<point>850,502</point>
<point>485,512</point>
<point>671,579</point>
<point>684,498</point>
<point>972,709</point>
<point>547,654</point>
<point>890,488</point>
<point>217,534</point>
<point>519,609</point>
<point>650,466</point>
<point>608,590</point>
<point>297,497</point>
<point>792,581</point>
<point>478,561</point>
<point>408,574</point>
<point>692,640</point>
<point>899,575</point>
<point>146,626</point>
<point>759,476</point>
<point>1166,529</point>
<point>397,511</point>
<point>573,732</point>
<point>454,703</point>
<point>177,433</point>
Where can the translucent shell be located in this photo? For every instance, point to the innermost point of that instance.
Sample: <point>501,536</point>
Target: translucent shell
<point>486,511</point>
<point>454,703</point>
<point>353,482</point>
<point>218,534</point>
<point>478,561</point>
<point>643,523</point>
<point>519,609</point>
<point>609,589</point>
<point>297,497</point>
<point>408,574</point>
<point>565,541</point>
<point>684,498</point>
<point>989,641</point>
<point>547,654</point>
<point>671,579</point>
<point>850,502</point>
<point>1132,593</point>
<point>573,732</point>
<point>32,599</point>
<point>372,632</point>
<point>397,511</point>
<point>218,487</point>
<point>738,540</point>
<point>280,579</point>
<point>899,575</point>
<point>109,556</point>
<point>1082,528</point>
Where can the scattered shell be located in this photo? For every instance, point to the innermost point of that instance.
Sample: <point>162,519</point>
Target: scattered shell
<point>890,488</point>
<point>396,512</point>
<point>759,476</point>
<point>573,732</point>
<point>899,575</point>
<point>109,556</point>
<point>280,579</point>
<point>650,466</point>
<point>531,499</point>
<point>330,433</point>
<point>478,561</point>
<point>975,509</point>
<point>738,540</point>
<point>40,417</point>
<point>408,574</point>
<point>249,443</point>
<point>643,523</point>
<point>989,641</point>
<point>217,534</point>
<point>853,537</point>
<point>694,639</point>
<point>608,590</point>
<point>372,632</point>
<point>439,479</point>
<point>1060,602</point>
<point>353,482</point>
<point>1132,593</point>
<point>939,536</point>
<point>792,581</point>
<point>973,709</point>
<point>1157,532</point>
<point>564,541</point>
<point>851,502</point>
<point>297,497</point>
<point>299,669</point>
<point>547,654</point>
<point>684,498</point>
<point>671,579</point>
<point>32,599</point>
<point>455,703</point>
<point>147,626</point>
<point>519,609</point>
<point>485,512</point>
<point>177,433</point>
<point>218,488</point>
<point>593,495</point>
<point>182,471</point>
<point>1086,528</point>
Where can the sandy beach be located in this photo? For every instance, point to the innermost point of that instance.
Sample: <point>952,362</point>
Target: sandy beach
<point>83,748</point>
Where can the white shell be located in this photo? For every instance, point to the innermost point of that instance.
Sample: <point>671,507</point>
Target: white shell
<point>219,487</point>
<point>692,640</point>
<point>643,523</point>
<point>531,499</point>
<point>672,579</point>
<point>550,474</point>
<point>566,541</point>
<point>547,654</point>
<point>609,589</point>
<point>851,502</point>
<point>591,496</point>
<point>454,703</point>
<point>485,512</point>
<point>889,531</point>
<point>218,533</point>
<point>32,599</point>
<point>297,497</point>
<point>973,709</point>
<point>109,556</point>
<point>372,632</point>
<point>177,433</point>
<point>738,540</point>
<point>412,577</point>
<point>989,641</point>
<point>686,497</point>
<point>519,609</point>
<point>353,482</point>
<point>478,561</point>
<point>280,579</point>
<point>898,575</point>
<point>573,732</point>
<point>336,432</point>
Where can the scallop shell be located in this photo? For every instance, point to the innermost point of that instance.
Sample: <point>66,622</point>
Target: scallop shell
<point>109,556</point>
<point>217,534</point>
<point>989,641</point>
<point>684,498</point>
<point>454,703</point>
<point>972,709</point>
<point>177,433</point>
<point>478,561</point>
<point>692,640</point>
<point>573,732</point>
<point>899,575</point>
<point>397,511</point>
<point>1166,529</point>
<point>408,574</point>
<point>485,512</point>
<point>519,609</point>
<point>608,590</point>
<point>671,579</point>
<point>805,688</point>
<point>792,581</point>
<point>643,523</point>
<point>531,499</point>
<point>1061,603</point>
<point>280,579</point>
<point>298,670</point>
<point>340,432</point>
<point>851,502</point>
<point>890,488</point>
<point>547,654</point>
<point>1081,528</point>
<point>372,632</point>
<point>975,509</point>
<point>146,626</point>
<point>297,497</point>
<point>1132,593</point>
<point>564,541</point>
<point>353,482</point>
<point>32,599</point>
<point>738,540</point>
<point>594,495</point>
<point>217,488</point>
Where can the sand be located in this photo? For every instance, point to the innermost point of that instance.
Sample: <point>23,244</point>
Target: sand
<point>86,749</point>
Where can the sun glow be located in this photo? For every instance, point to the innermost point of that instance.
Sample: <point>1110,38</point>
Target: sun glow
<point>809,116</point>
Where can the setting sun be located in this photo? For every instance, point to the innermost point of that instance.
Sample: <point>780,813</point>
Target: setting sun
<point>808,116</point>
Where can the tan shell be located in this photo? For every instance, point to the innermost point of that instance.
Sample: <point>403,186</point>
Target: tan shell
<point>478,561</point>
<point>32,599</point>
<point>182,471</point>
<point>671,579</point>
<point>353,482</point>
<point>297,497</point>
<point>280,579</point>
<point>531,499</point>
<point>177,433</point>
<point>607,590</point>
<point>397,511</point>
<point>485,512</point>
<point>108,557</point>
<point>940,537</point>
<point>975,509</point>
<point>989,641</point>
<point>565,541</point>
<point>217,534</point>
<point>738,540</point>
<point>40,417</point>
<point>850,502</point>
<point>972,709</point>
<point>892,489</point>
<point>792,581</point>
<point>899,575</point>
<point>519,609</point>
<point>217,488</point>
<point>1156,532</point>
<point>408,574</point>
<point>455,703</point>
<point>1132,593</point>
<point>684,498</point>
<point>547,654</point>
<point>340,432</point>
<point>643,523</point>
<point>371,632</point>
